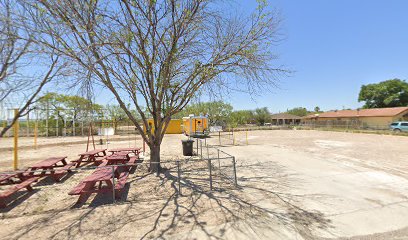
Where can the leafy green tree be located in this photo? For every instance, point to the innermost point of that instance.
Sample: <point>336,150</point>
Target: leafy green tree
<point>218,112</point>
<point>390,93</point>
<point>317,109</point>
<point>299,111</point>
<point>240,117</point>
<point>262,115</point>
<point>115,114</point>
<point>67,107</point>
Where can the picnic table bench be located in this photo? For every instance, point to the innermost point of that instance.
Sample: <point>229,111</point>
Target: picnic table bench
<point>120,158</point>
<point>4,196</point>
<point>134,150</point>
<point>90,156</point>
<point>94,183</point>
<point>11,178</point>
<point>53,166</point>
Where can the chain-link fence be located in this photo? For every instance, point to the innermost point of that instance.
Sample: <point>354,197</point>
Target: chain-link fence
<point>62,123</point>
<point>357,125</point>
<point>219,165</point>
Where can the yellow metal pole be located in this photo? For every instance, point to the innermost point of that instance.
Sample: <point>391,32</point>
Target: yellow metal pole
<point>246,134</point>
<point>35,134</point>
<point>15,162</point>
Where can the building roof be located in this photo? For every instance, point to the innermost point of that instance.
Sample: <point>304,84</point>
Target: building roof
<point>284,116</point>
<point>373,112</point>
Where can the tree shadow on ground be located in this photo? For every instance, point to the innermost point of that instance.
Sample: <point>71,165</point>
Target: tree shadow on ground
<point>261,206</point>
<point>238,212</point>
<point>17,198</point>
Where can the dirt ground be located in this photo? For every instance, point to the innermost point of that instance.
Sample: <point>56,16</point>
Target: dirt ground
<point>292,185</point>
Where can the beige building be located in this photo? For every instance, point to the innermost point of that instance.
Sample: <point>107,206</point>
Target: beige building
<point>285,119</point>
<point>371,118</point>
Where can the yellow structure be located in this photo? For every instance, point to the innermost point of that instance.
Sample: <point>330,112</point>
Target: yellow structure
<point>193,125</point>
<point>173,128</point>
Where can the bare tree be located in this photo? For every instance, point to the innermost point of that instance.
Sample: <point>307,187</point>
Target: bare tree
<point>160,53</point>
<point>17,50</point>
<point>29,103</point>
<point>13,48</point>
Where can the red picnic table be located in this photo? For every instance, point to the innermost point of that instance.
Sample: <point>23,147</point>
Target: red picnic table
<point>11,178</point>
<point>90,156</point>
<point>101,181</point>
<point>120,158</point>
<point>24,183</point>
<point>48,168</point>
<point>135,150</point>
<point>117,158</point>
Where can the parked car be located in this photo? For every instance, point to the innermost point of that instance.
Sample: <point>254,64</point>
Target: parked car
<point>399,126</point>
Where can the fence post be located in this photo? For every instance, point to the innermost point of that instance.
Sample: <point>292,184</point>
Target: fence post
<point>246,136</point>
<point>28,124</point>
<point>65,127</point>
<point>235,172</point>
<point>201,149</point>
<point>178,176</point>
<point>57,125</point>
<point>219,162</point>
<point>35,134</point>
<point>15,162</point>
<point>208,152</point>
<point>46,120</point>
<point>219,138</point>
<point>73,126</point>
<point>82,128</point>
<point>197,145</point>
<point>113,184</point>
<point>209,168</point>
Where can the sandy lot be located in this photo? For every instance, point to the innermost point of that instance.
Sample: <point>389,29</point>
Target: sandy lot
<point>292,185</point>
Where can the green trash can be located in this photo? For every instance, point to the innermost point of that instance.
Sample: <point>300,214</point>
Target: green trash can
<point>187,147</point>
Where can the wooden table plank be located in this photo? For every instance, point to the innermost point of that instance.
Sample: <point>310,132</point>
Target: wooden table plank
<point>125,150</point>
<point>101,174</point>
<point>93,152</point>
<point>7,177</point>
<point>90,156</point>
<point>49,162</point>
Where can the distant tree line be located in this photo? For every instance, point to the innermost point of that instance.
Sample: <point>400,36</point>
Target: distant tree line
<point>223,114</point>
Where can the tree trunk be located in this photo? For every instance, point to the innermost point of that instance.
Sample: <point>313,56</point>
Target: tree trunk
<point>155,158</point>
<point>5,129</point>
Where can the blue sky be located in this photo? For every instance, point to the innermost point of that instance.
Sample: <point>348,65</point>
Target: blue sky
<point>333,47</point>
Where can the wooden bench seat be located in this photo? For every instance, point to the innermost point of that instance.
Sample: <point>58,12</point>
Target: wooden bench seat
<point>119,184</point>
<point>65,168</point>
<point>15,188</point>
<point>132,160</point>
<point>78,189</point>
<point>104,163</point>
<point>121,181</point>
<point>60,172</point>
